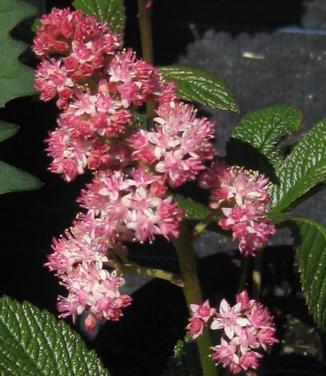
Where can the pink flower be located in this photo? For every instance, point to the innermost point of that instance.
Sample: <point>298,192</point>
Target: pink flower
<point>63,31</point>
<point>77,144</point>
<point>230,319</point>
<point>266,337</point>
<point>99,89</point>
<point>242,198</point>
<point>249,360</point>
<point>98,115</point>
<point>168,95</point>
<point>247,339</point>
<point>244,300</point>
<point>225,354</point>
<point>178,145</point>
<point>78,260</point>
<point>69,154</point>
<point>203,311</point>
<point>90,323</point>
<point>56,32</point>
<point>84,242</point>
<point>130,207</point>
<point>134,79</point>
<point>51,80</point>
<point>248,330</point>
<point>86,57</point>
<point>259,316</point>
<point>95,290</point>
<point>85,46</point>
<point>195,327</point>
<point>201,314</point>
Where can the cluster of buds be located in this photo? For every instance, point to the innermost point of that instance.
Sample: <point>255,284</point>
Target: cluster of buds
<point>241,197</point>
<point>247,331</point>
<point>99,87</point>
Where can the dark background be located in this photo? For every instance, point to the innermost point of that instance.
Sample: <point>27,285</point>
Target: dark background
<point>287,44</point>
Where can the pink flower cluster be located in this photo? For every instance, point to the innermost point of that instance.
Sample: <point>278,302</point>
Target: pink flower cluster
<point>77,260</point>
<point>135,208</point>
<point>99,88</point>
<point>242,198</point>
<point>248,330</point>
<point>120,208</point>
<point>84,46</point>
<point>178,145</point>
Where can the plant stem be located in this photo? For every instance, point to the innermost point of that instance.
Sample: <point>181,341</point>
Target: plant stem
<point>256,275</point>
<point>192,293</point>
<point>243,275</point>
<point>145,271</point>
<point>183,245</point>
<point>145,27</point>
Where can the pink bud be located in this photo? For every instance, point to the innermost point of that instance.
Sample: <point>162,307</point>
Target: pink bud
<point>90,323</point>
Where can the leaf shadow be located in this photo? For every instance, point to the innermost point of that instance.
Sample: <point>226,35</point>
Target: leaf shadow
<point>243,154</point>
<point>306,196</point>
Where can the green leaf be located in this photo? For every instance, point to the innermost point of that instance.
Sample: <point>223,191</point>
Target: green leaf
<point>263,129</point>
<point>193,210</point>
<point>33,342</point>
<point>199,86</point>
<point>278,218</point>
<point>36,25</point>
<point>7,130</point>
<point>16,79</point>
<point>311,254</point>
<point>110,11</point>
<point>302,169</point>
<point>140,120</point>
<point>13,180</point>
<point>299,171</point>
<point>184,361</point>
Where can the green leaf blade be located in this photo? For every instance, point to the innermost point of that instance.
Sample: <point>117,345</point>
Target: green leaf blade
<point>302,169</point>
<point>199,86</point>
<point>193,210</point>
<point>7,130</point>
<point>311,254</point>
<point>36,25</point>
<point>33,342</point>
<point>299,171</point>
<point>13,179</point>
<point>264,128</point>
<point>16,79</point>
<point>110,11</point>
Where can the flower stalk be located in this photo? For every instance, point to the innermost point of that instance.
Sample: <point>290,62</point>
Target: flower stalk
<point>245,266</point>
<point>257,274</point>
<point>192,293</point>
<point>145,28</point>
<point>134,268</point>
